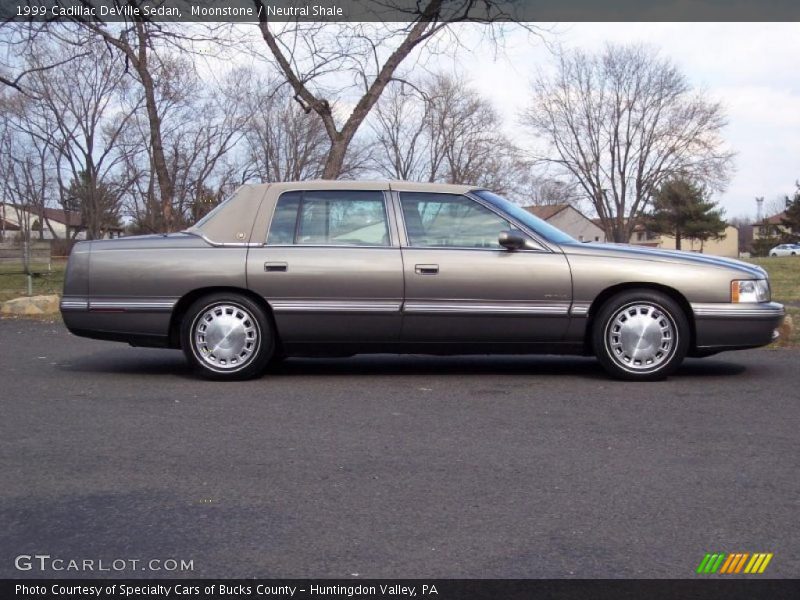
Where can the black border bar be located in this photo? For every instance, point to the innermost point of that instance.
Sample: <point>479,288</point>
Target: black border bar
<point>716,588</point>
<point>400,10</point>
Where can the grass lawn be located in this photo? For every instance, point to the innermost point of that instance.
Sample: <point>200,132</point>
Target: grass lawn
<point>13,284</point>
<point>784,277</point>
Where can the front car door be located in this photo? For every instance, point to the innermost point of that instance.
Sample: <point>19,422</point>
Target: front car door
<point>331,267</point>
<point>463,286</point>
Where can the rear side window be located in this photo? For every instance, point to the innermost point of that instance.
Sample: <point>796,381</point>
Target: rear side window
<point>330,218</point>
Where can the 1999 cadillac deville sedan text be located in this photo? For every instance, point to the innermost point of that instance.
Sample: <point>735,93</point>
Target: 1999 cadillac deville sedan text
<point>336,268</point>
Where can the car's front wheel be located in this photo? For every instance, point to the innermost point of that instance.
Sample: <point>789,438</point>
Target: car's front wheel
<point>227,336</point>
<point>640,335</point>
<point>773,254</point>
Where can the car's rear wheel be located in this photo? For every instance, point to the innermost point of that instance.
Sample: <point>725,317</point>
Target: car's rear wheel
<point>227,336</point>
<point>640,335</point>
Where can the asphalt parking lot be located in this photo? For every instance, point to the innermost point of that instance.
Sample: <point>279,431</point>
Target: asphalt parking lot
<point>394,466</point>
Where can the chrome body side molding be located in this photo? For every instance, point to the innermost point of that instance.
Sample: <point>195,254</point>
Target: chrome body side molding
<point>71,303</point>
<point>580,309</point>
<point>333,306</point>
<point>485,308</point>
<point>766,310</point>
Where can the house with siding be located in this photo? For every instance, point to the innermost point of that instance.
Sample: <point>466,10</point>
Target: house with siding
<point>770,227</point>
<point>47,224</point>
<point>727,245</point>
<point>569,220</point>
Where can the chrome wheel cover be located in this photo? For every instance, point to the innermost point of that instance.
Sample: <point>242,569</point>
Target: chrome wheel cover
<point>225,337</point>
<point>641,337</point>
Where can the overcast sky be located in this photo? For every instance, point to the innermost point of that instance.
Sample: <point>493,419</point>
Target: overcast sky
<point>753,69</point>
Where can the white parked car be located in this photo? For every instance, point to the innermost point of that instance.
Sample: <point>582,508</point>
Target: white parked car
<point>785,250</point>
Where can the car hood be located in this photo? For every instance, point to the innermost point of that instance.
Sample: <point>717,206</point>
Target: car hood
<point>656,254</point>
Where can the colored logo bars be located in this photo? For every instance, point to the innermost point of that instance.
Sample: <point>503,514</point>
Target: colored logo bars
<point>734,563</point>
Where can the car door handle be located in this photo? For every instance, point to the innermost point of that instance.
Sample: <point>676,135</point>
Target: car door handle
<point>276,267</point>
<point>426,269</point>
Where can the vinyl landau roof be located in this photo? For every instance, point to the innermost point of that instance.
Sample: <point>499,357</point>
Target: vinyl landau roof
<point>233,221</point>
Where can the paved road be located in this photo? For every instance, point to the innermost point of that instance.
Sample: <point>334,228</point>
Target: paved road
<point>396,467</point>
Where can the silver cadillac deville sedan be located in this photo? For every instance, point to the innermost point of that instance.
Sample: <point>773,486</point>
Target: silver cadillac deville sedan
<point>335,268</point>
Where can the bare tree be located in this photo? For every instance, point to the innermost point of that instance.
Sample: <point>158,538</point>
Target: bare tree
<point>140,43</point>
<point>466,137</point>
<point>401,128</point>
<point>368,54</point>
<point>81,102</point>
<point>774,206</point>
<point>200,124</point>
<point>19,40</point>
<point>540,190</point>
<point>140,201</point>
<point>442,130</point>
<point>182,152</point>
<point>27,163</point>
<point>281,142</point>
<point>201,128</point>
<point>622,122</point>
<point>25,185</point>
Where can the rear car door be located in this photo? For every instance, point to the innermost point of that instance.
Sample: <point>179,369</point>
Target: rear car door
<point>331,267</point>
<point>463,286</point>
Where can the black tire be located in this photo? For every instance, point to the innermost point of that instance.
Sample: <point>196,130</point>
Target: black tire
<point>250,351</point>
<point>660,315</point>
<point>773,254</point>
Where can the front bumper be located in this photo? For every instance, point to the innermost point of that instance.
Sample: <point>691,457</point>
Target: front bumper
<point>724,326</point>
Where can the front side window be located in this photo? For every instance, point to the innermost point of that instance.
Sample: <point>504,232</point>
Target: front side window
<point>449,220</point>
<point>330,218</point>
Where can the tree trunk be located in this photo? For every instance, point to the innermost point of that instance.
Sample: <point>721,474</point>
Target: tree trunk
<point>619,231</point>
<point>340,139</point>
<point>335,159</point>
<point>136,55</point>
<point>154,121</point>
<point>677,239</point>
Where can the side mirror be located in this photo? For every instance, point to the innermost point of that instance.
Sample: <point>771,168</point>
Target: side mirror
<point>512,240</point>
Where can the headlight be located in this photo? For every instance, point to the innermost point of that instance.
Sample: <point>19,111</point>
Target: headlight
<point>750,290</point>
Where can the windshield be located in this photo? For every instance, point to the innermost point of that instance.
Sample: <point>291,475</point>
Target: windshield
<point>543,228</point>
